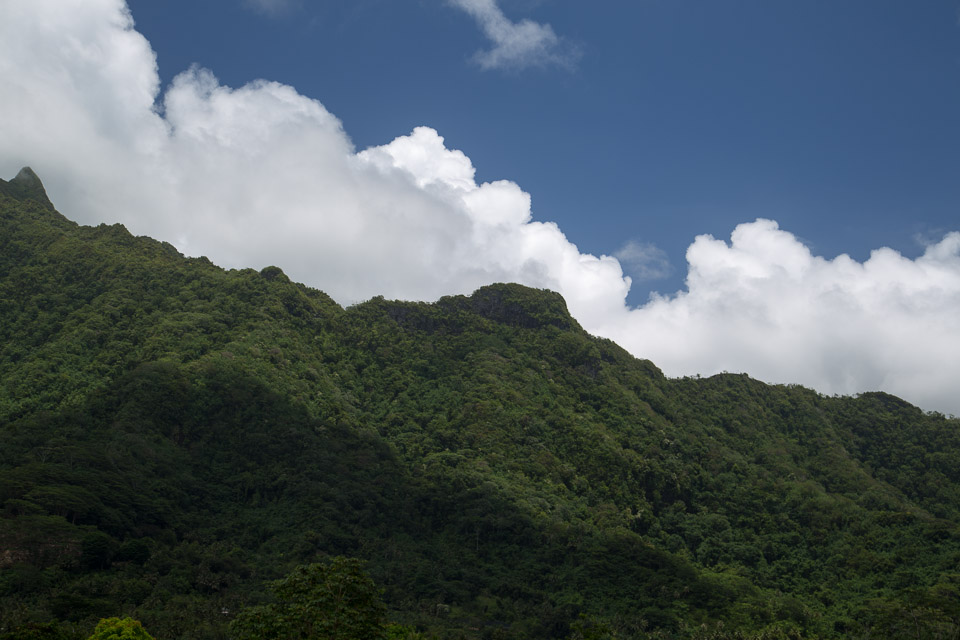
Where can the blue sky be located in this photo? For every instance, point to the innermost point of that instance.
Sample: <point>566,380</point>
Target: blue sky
<point>837,119</point>
<point>725,185</point>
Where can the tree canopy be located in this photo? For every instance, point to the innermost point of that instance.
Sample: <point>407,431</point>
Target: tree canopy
<point>120,629</point>
<point>335,601</point>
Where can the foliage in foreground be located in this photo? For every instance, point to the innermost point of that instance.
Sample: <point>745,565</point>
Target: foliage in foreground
<point>336,601</point>
<point>120,629</point>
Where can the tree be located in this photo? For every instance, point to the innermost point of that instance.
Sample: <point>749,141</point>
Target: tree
<point>334,601</point>
<point>120,629</point>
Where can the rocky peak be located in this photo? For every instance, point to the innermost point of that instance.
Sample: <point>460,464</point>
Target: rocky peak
<point>26,186</point>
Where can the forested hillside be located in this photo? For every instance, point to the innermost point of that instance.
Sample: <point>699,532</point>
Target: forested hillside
<point>174,436</point>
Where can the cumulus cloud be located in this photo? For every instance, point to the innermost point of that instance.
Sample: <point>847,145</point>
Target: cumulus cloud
<point>644,261</point>
<point>516,45</point>
<point>262,175</point>
<point>765,305</point>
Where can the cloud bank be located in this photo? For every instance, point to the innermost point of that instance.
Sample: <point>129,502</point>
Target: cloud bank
<point>262,175</point>
<point>516,45</point>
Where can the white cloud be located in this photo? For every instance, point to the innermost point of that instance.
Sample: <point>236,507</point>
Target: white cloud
<point>765,305</point>
<point>271,7</point>
<point>644,261</point>
<point>516,45</point>
<point>262,175</point>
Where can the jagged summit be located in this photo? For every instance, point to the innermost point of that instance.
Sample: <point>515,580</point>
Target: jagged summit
<point>26,185</point>
<point>28,178</point>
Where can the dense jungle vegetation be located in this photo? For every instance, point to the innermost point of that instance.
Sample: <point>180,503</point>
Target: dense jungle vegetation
<point>175,437</point>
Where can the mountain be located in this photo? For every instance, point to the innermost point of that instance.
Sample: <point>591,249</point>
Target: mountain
<point>175,436</point>
<point>26,185</point>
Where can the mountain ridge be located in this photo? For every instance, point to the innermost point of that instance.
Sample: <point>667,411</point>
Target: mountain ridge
<point>176,434</point>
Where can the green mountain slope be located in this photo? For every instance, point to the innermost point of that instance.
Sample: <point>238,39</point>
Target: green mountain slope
<point>174,435</point>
